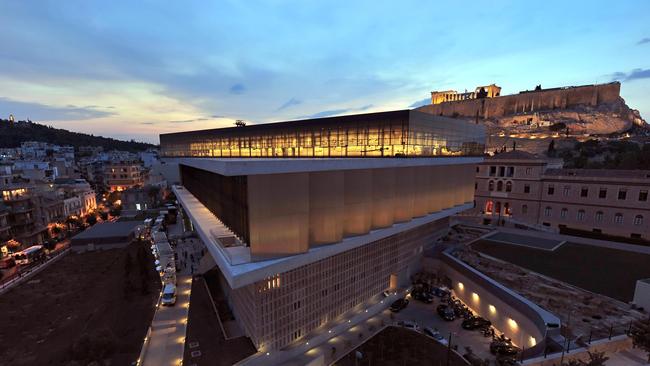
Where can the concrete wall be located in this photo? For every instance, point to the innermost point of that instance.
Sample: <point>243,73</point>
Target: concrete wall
<point>642,294</point>
<point>528,102</point>
<point>521,320</point>
<point>291,212</point>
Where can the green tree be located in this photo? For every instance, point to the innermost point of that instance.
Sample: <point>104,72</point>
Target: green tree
<point>91,219</point>
<point>641,335</point>
<point>551,152</point>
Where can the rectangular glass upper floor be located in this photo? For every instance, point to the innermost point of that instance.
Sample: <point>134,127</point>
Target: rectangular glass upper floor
<point>402,133</point>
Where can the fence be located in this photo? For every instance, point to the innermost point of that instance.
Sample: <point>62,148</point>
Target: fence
<point>27,273</point>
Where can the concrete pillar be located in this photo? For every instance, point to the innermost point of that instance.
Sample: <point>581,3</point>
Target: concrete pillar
<point>326,207</point>
<point>420,187</point>
<point>278,211</point>
<point>383,198</point>
<point>404,187</point>
<point>436,182</point>
<point>357,202</point>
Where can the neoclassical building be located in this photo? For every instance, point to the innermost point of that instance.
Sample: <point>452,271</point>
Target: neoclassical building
<point>524,188</point>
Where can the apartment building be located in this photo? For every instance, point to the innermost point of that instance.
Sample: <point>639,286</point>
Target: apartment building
<point>123,174</point>
<point>22,217</point>
<point>306,220</point>
<point>523,188</point>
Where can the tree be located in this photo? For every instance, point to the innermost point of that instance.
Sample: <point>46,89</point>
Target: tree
<point>551,152</point>
<point>91,219</point>
<point>153,192</point>
<point>641,335</point>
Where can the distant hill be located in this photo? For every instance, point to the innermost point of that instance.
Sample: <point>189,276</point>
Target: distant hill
<point>13,134</point>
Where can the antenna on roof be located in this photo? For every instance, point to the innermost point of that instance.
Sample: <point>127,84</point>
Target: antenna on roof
<point>240,123</point>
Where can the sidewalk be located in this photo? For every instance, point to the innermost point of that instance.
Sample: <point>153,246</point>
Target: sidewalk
<point>166,341</point>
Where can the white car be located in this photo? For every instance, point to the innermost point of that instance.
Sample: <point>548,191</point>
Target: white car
<point>169,295</point>
<point>435,335</point>
<point>409,325</point>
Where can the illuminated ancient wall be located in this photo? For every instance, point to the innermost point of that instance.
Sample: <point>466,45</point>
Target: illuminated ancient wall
<point>528,102</point>
<point>289,213</point>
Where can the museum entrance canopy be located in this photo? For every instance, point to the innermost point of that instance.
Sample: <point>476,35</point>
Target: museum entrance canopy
<point>402,133</point>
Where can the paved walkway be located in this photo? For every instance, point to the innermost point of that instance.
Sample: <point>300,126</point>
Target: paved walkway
<point>166,341</point>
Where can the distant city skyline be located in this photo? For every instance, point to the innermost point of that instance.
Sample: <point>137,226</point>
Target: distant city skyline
<point>134,70</point>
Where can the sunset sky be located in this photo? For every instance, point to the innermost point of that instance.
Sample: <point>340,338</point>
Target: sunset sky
<point>134,69</point>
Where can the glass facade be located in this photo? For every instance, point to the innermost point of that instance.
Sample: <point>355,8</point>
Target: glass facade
<point>384,134</point>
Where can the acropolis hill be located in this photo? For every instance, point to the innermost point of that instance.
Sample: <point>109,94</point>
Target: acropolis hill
<point>532,118</point>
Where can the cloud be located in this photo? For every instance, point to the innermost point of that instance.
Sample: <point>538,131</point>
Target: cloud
<point>635,74</point>
<point>44,112</point>
<point>237,89</point>
<point>289,103</point>
<point>336,112</point>
<point>644,41</point>
<point>420,103</point>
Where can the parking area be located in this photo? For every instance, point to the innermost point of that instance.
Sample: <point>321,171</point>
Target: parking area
<point>425,316</point>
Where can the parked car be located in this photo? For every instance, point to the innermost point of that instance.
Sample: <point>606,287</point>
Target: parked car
<point>409,325</point>
<point>169,295</point>
<point>475,322</point>
<point>503,346</point>
<point>435,335</point>
<point>440,292</point>
<point>446,312</point>
<point>425,297</point>
<point>7,262</point>
<point>398,305</point>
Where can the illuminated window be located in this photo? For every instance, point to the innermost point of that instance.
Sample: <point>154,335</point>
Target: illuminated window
<point>461,286</point>
<point>548,211</point>
<point>488,207</point>
<point>599,216</point>
<point>492,309</point>
<point>638,220</point>
<point>512,323</point>
<point>618,218</point>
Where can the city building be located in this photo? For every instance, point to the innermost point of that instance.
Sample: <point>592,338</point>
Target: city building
<point>487,91</point>
<point>307,220</point>
<point>25,226</point>
<point>123,174</point>
<point>35,171</point>
<point>106,235</point>
<point>5,228</point>
<point>522,188</point>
